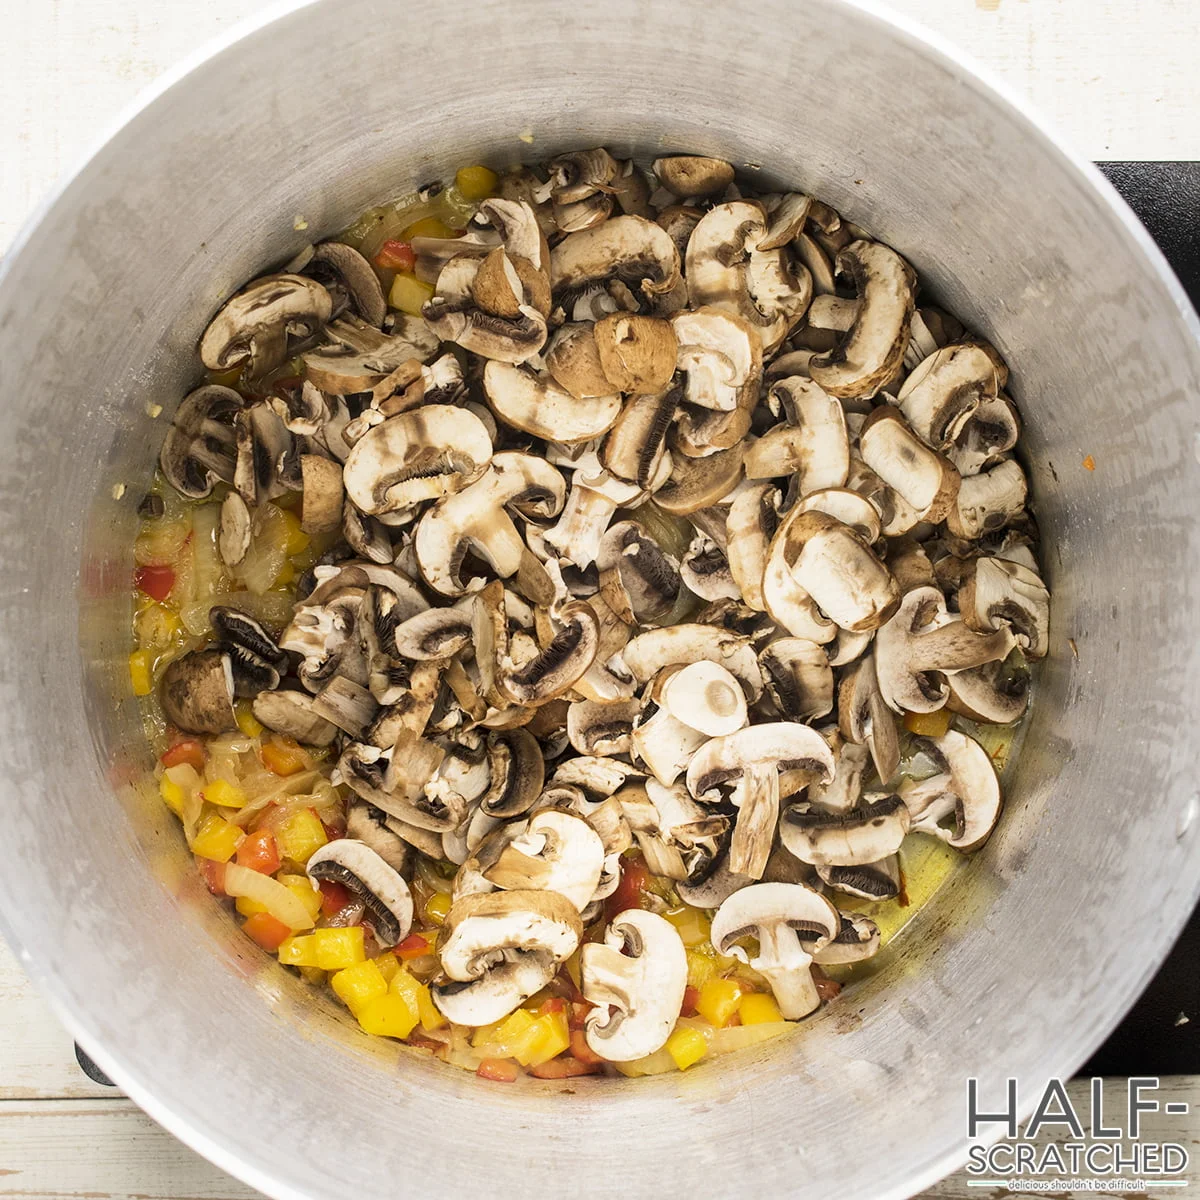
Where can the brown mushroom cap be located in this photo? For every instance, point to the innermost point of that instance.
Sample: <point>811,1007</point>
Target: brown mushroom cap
<point>197,692</point>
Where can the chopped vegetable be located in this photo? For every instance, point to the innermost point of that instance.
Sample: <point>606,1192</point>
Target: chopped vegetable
<point>359,984</point>
<point>172,794</point>
<point>301,836</point>
<point>334,897</point>
<point>686,1047</point>
<point>932,725</point>
<point>224,794</point>
<point>299,951</point>
<point>337,948</point>
<point>247,722</point>
<point>395,256</point>
<point>156,582</point>
<point>409,294</point>
<point>388,1016</point>
<point>476,183</point>
<point>416,945</point>
<point>282,756</point>
<point>429,227</point>
<point>259,852</point>
<point>281,902</point>
<point>718,1000</point>
<point>214,875</point>
<point>140,676</point>
<point>563,1067</point>
<point>189,751</point>
<point>264,929</point>
<point>757,1008</point>
<point>634,881</point>
<point>216,838</point>
<point>499,1070</point>
<point>437,906</point>
<point>302,888</point>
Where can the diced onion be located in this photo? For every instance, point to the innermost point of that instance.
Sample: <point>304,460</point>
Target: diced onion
<point>281,902</point>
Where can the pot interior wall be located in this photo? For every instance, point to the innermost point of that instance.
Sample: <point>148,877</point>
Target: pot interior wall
<point>1020,964</point>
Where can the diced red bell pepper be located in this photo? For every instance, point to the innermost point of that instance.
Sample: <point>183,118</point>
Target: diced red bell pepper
<point>268,931</point>
<point>578,1013</point>
<point>189,750</point>
<point>499,1070</point>
<point>395,256</point>
<point>259,852</point>
<point>690,996</point>
<point>214,875</point>
<point>334,897</point>
<point>826,988</point>
<point>563,1067</point>
<point>156,582</point>
<point>416,945</point>
<point>551,1004</point>
<point>582,1051</point>
<point>332,832</point>
<point>634,878</point>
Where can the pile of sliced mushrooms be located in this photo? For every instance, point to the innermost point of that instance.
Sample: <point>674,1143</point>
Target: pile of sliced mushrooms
<point>519,666</point>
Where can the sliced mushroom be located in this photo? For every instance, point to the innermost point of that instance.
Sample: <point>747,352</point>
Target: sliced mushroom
<point>636,979</point>
<point>750,528</point>
<point>573,360</point>
<point>420,455</point>
<point>697,483</point>
<point>257,662</point>
<point>848,507</point>
<point>638,581</point>
<point>721,355</point>
<point>921,477</point>
<point>845,788</point>
<point>263,322</point>
<point>291,712</point>
<point>1000,593</point>
<point>691,175</point>
<point>498,949</point>
<point>813,444</point>
<point>627,250</point>
<point>676,837</point>
<point>857,939</point>
<point>516,774</point>
<point>434,633</point>
<point>536,404</point>
<point>637,354</point>
<point>382,889</point>
<point>945,390</point>
<point>349,279</point>
<point>200,449</point>
<point>197,692</point>
<point>647,653</point>
<point>369,826</point>
<point>635,449</point>
<point>706,697</point>
<point>236,530</point>
<point>873,350</point>
<point>346,704</point>
<point>968,789</point>
<point>871,831</point>
<point>324,496</point>
<point>557,852</point>
<point>750,763</point>
<point>705,571</point>
<point>791,923</point>
<point>995,693</point>
<point>602,727</point>
<point>798,678</point>
<point>559,664</point>
<point>864,717</point>
<point>265,452</point>
<point>988,501</point>
<point>922,644</point>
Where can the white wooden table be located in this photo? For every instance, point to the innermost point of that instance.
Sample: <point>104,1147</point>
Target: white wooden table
<point>1118,77</point>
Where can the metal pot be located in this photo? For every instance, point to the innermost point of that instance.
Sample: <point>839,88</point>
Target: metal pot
<point>1021,963</point>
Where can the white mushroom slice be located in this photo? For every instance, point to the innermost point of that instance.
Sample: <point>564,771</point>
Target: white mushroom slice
<point>864,717</point>
<point>698,483</point>
<point>197,692</point>
<point>873,350</point>
<point>921,477</point>
<point>666,745</point>
<point>922,644</point>
<point>988,501</point>
<point>813,445</point>
<point>750,526</point>
<point>415,456</point>
<point>870,831</point>
<point>777,915</point>
<point>637,354</point>
<point>477,517</point>
<point>600,727</point>
<point>636,978</point>
<point>434,633</point>
<point>200,449</point>
<point>968,790</point>
<point>598,682</point>
<point>721,355</point>
<point>838,570</point>
<point>536,404</point>
<point>256,326</point>
<point>582,173</point>
<point>726,269</point>
<point>369,826</point>
<point>380,888</point>
<point>628,250</point>
<point>347,705</point>
<point>750,763</point>
<point>993,693</point>
<point>789,605</point>
<point>693,175</point>
<point>713,889</point>
<point>233,540</point>
<point>323,495</point>
<point>291,712</point>
<point>635,449</point>
<point>788,214</point>
<point>398,781</point>
<point>798,678</point>
<point>842,793</point>
<point>590,505</point>
<point>596,776</point>
<point>985,439</point>
<point>559,664</point>
<point>638,581</point>
<point>858,937</point>
<point>557,852</point>
<point>265,449</point>
<point>647,654</point>
<point>677,838</point>
<point>705,571</point>
<point>944,391</point>
<point>848,507</point>
<point>706,697</point>
<point>1001,593</point>
<point>498,949</point>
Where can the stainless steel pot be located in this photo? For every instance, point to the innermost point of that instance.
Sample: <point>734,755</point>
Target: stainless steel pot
<point>1019,966</point>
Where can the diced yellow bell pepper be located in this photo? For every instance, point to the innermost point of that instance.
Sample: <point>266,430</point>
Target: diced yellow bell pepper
<point>337,948</point>
<point>701,969</point>
<point>476,183</point>
<point>431,1016</point>
<point>718,1001</point>
<point>358,985</point>
<point>687,1047</point>
<point>693,926</point>
<point>409,293</point>
<point>247,722</point>
<point>931,725</point>
<point>301,887</point>
<point>505,1033</point>
<point>549,1035</point>
<point>248,907</point>
<point>427,227</point>
<point>300,836</point>
<point>758,1008</point>
<point>299,951</point>
<point>388,1016</point>
<point>408,990</point>
<point>388,966</point>
<point>216,838</point>
<point>297,540</point>
<point>172,795</point>
<point>140,674</point>
<point>224,794</point>
<point>437,906</point>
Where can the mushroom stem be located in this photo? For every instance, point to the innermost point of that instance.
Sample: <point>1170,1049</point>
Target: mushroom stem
<point>757,799</point>
<point>786,965</point>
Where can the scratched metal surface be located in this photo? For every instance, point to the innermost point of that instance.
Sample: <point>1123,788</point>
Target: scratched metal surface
<point>1018,968</point>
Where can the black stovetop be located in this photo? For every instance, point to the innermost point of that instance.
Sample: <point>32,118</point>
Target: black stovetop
<point>1161,1034</point>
